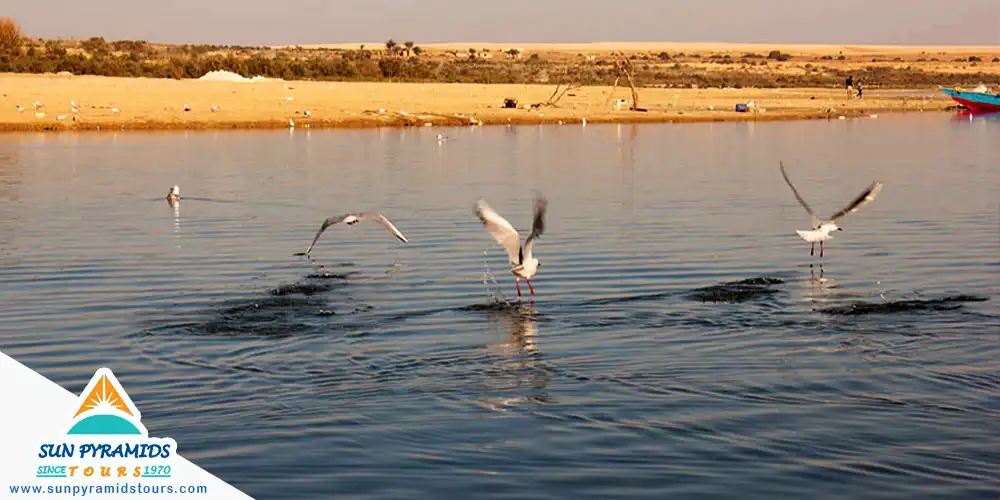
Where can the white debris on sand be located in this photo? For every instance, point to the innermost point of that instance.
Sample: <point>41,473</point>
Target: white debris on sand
<point>224,76</point>
<point>229,76</point>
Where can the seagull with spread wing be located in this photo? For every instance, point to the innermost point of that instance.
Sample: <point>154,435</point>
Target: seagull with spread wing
<point>354,218</point>
<point>821,230</point>
<point>522,259</point>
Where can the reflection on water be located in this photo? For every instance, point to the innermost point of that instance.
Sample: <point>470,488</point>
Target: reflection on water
<point>680,344</point>
<point>176,205</point>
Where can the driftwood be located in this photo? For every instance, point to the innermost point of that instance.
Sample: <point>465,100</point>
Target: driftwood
<point>614,88</point>
<point>557,94</point>
<point>625,67</point>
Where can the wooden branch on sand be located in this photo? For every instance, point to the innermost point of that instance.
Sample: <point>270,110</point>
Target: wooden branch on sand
<point>614,88</point>
<point>553,99</point>
<point>625,67</point>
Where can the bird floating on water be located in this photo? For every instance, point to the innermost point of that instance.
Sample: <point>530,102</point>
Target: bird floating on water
<point>821,230</point>
<point>522,258</point>
<point>352,219</point>
<point>174,194</point>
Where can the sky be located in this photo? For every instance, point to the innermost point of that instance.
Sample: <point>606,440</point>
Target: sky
<point>281,22</point>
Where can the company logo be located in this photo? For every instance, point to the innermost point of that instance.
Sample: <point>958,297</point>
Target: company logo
<point>104,439</point>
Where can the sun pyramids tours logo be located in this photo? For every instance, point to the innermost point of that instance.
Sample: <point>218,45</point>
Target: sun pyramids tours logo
<point>106,439</point>
<point>106,409</point>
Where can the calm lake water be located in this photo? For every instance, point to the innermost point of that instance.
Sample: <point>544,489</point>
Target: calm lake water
<point>682,341</point>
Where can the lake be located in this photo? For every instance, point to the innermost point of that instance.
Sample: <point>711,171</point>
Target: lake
<point>682,342</point>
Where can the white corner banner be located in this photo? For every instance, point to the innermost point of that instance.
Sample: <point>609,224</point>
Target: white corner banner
<point>56,444</point>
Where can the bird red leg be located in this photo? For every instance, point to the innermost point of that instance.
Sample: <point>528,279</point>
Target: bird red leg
<point>812,249</point>
<point>821,249</point>
<point>517,282</point>
<point>530,287</point>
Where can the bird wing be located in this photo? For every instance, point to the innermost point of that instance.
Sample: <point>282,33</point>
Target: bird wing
<point>370,216</point>
<point>798,196</point>
<point>326,223</point>
<point>501,230</point>
<point>538,224</point>
<point>384,221</point>
<point>862,199</point>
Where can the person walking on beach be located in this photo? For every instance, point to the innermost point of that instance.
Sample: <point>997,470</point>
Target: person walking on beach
<point>849,85</point>
<point>859,88</point>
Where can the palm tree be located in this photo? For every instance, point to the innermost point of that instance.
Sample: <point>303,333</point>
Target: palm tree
<point>409,47</point>
<point>390,47</point>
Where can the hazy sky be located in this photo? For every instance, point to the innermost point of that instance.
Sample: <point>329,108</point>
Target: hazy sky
<point>275,22</point>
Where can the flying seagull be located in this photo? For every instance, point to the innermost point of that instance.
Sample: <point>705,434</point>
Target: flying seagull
<point>174,194</point>
<point>522,260</point>
<point>352,219</point>
<point>821,229</point>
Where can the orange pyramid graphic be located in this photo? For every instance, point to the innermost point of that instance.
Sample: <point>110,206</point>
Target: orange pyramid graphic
<point>104,393</point>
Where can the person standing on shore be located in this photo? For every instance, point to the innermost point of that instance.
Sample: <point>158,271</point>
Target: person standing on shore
<point>859,88</point>
<point>849,85</point>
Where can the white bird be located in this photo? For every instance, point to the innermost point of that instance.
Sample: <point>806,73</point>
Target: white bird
<point>20,108</point>
<point>441,139</point>
<point>187,107</point>
<point>522,259</point>
<point>291,123</point>
<point>174,194</point>
<point>213,108</point>
<point>307,113</point>
<point>821,230</point>
<point>38,105</point>
<point>354,218</point>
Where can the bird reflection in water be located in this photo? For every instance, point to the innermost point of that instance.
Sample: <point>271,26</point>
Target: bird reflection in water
<point>822,288</point>
<point>517,374</point>
<point>176,205</point>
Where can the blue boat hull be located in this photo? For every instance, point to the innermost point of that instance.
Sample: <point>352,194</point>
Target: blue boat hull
<point>977,102</point>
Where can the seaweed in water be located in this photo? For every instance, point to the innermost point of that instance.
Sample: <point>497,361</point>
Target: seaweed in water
<point>737,291</point>
<point>895,306</point>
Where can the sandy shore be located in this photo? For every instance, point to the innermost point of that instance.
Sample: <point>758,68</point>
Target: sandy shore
<point>148,104</point>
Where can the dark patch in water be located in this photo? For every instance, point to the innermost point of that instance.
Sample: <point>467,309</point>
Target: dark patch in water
<point>737,291</point>
<point>285,311</point>
<point>492,306</point>
<point>329,276</point>
<point>895,306</point>
<point>300,288</point>
<point>629,298</point>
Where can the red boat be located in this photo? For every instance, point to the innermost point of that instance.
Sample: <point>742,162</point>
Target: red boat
<point>977,102</point>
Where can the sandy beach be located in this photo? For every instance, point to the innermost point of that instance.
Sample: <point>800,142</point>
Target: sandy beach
<point>147,104</point>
